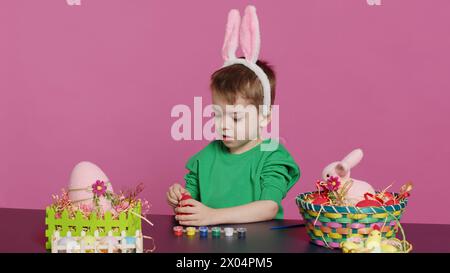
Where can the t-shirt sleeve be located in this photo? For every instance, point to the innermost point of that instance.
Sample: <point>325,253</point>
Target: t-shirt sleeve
<point>278,175</point>
<point>191,178</point>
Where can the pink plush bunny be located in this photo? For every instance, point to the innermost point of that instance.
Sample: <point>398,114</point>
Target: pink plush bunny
<point>342,169</point>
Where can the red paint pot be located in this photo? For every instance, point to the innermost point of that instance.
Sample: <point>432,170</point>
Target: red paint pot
<point>178,231</point>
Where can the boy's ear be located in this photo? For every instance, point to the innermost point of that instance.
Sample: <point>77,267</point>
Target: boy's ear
<point>265,120</point>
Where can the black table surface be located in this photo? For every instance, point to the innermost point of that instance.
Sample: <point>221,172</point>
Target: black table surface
<point>23,230</point>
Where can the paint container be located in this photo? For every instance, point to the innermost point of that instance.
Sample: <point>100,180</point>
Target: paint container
<point>215,231</point>
<point>203,232</point>
<point>228,231</point>
<point>241,232</point>
<point>178,231</point>
<point>190,231</point>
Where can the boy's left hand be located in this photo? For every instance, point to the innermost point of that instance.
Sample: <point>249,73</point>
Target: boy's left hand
<point>197,213</point>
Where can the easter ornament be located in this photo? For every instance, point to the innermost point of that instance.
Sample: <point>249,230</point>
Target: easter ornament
<point>375,243</point>
<point>341,170</point>
<point>90,206</point>
<point>88,186</point>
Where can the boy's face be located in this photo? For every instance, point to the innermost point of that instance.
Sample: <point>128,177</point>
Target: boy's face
<point>236,124</point>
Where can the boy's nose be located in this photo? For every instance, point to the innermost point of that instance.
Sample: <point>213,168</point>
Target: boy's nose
<point>225,124</point>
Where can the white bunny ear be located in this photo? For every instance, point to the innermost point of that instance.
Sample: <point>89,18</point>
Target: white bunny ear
<point>230,43</point>
<point>250,37</point>
<point>353,158</point>
<point>248,32</point>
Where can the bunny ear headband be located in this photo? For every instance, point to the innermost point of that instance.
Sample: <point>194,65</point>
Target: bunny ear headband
<point>250,43</point>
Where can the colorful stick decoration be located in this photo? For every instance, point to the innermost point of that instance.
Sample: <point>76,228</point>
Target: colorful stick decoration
<point>404,191</point>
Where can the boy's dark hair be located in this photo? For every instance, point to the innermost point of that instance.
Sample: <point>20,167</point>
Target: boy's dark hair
<point>231,81</point>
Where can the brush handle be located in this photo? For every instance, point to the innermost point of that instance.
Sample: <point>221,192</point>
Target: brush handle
<point>289,226</point>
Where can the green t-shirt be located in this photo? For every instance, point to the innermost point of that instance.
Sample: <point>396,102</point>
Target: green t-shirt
<point>220,179</point>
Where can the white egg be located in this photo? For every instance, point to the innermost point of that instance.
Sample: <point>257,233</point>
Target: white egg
<point>83,175</point>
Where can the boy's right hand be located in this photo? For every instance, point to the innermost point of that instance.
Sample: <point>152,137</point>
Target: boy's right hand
<point>174,194</point>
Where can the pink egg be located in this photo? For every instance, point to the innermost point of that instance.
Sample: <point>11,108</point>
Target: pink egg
<point>83,175</point>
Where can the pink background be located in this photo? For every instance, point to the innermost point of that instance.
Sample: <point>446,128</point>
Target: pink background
<point>97,82</point>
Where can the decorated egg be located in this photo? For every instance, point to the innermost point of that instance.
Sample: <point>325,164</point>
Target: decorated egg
<point>370,200</point>
<point>86,180</point>
<point>368,203</point>
<point>184,196</point>
<point>317,198</point>
<point>320,200</point>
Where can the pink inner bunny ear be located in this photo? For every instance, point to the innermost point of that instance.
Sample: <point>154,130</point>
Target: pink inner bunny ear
<point>230,43</point>
<point>250,37</point>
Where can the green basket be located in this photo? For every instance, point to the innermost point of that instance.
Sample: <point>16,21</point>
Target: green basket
<point>126,221</point>
<point>329,225</point>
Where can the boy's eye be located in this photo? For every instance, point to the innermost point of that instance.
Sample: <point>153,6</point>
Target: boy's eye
<point>236,117</point>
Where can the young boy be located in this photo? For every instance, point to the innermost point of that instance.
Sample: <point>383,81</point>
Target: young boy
<point>235,180</point>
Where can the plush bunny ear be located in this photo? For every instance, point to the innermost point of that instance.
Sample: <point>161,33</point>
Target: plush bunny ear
<point>250,37</point>
<point>342,169</point>
<point>230,43</point>
<point>353,158</point>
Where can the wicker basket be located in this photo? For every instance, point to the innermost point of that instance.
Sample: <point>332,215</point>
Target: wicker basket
<point>330,225</point>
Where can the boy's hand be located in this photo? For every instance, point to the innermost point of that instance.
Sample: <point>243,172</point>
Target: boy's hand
<point>174,194</point>
<point>197,214</point>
